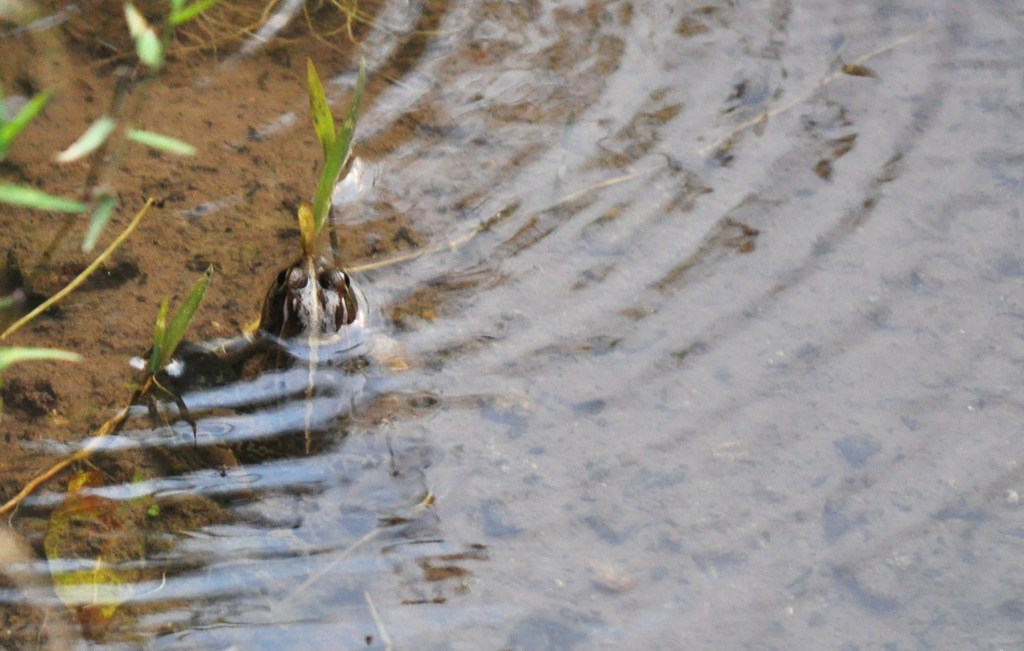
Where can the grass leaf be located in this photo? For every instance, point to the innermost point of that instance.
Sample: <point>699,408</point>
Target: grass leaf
<point>161,142</point>
<point>136,23</point>
<point>307,228</point>
<point>89,141</point>
<point>323,121</point>
<point>31,198</point>
<point>181,15</point>
<point>14,355</point>
<point>149,49</point>
<point>182,318</point>
<point>147,45</point>
<point>100,216</point>
<point>10,129</point>
<point>159,335</point>
<point>337,154</point>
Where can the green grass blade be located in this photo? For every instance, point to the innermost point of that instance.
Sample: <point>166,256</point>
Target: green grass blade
<point>161,142</point>
<point>89,141</point>
<point>100,217</point>
<point>183,317</point>
<point>181,15</point>
<point>136,22</point>
<point>348,127</point>
<point>10,129</point>
<point>156,361</point>
<point>31,198</point>
<point>176,5</point>
<point>14,355</point>
<point>337,154</point>
<point>147,44</point>
<point>323,121</point>
<point>149,49</point>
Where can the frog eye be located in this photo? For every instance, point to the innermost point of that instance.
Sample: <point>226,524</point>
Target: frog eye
<point>297,278</point>
<point>331,279</point>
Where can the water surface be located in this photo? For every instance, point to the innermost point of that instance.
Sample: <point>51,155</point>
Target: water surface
<point>732,364</point>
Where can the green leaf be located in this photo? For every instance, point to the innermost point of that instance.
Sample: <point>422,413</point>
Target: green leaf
<point>148,47</point>
<point>10,129</point>
<point>181,15</point>
<point>89,141</point>
<point>32,198</point>
<point>176,5</point>
<point>323,121</point>
<point>156,361</point>
<point>14,355</point>
<point>161,142</point>
<point>337,154</point>
<point>100,216</point>
<point>136,22</point>
<point>147,44</point>
<point>182,318</point>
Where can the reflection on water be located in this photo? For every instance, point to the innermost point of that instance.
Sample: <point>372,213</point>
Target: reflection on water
<point>730,360</point>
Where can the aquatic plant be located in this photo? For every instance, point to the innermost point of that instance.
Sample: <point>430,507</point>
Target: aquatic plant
<point>335,142</point>
<point>101,200</point>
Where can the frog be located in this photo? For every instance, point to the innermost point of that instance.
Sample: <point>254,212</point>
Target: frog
<point>311,343</point>
<point>311,311</point>
<point>311,299</point>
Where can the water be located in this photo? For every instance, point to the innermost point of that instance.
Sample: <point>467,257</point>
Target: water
<point>733,364</point>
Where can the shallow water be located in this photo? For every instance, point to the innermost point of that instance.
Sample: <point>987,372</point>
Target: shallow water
<point>733,364</point>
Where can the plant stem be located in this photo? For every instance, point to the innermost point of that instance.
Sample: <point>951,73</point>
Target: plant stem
<point>108,428</point>
<point>80,278</point>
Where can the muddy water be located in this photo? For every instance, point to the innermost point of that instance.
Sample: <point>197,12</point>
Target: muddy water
<point>732,364</point>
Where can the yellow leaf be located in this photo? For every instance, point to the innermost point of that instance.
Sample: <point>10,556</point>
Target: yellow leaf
<point>93,545</point>
<point>307,228</point>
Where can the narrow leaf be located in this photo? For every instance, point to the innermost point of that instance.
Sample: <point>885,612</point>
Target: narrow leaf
<point>323,121</point>
<point>32,198</point>
<point>183,317</point>
<point>337,154</point>
<point>348,128</point>
<point>149,50</point>
<point>159,335</point>
<point>89,141</point>
<point>161,142</point>
<point>176,5</point>
<point>307,228</point>
<point>100,217</point>
<point>181,15</point>
<point>15,355</point>
<point>136,23</point>
<point>857,70</point>
<point>147,45</point>
<point>10,129</point>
